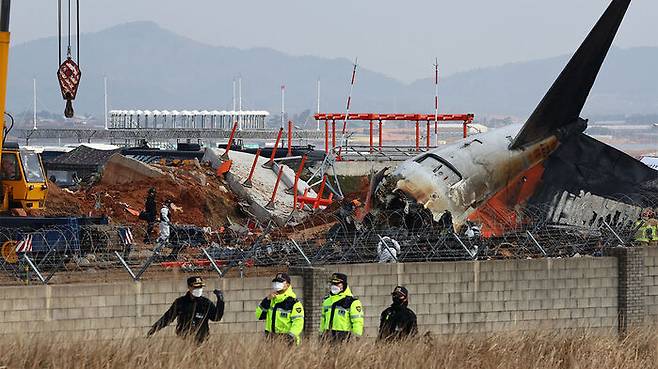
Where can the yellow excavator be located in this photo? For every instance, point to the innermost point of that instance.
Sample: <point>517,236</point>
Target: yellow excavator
<point>22,176</point>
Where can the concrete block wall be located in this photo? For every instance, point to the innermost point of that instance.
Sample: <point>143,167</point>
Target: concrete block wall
<point>117,309</point>
<point>494,296</point>
<point>448,297</point>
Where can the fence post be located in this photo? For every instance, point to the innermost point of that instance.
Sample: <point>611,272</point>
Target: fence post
<point>212,262</point>
<point>34,267</point>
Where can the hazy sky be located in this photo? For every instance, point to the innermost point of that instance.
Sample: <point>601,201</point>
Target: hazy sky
<point>398,38</point>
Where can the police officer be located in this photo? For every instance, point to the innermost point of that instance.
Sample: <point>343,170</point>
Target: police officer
<point>398,321</point>
<point>342,313</point>
<point>646,229</point>
<point>150,214</point>
<point>192,312</point>
<point>282,312</point>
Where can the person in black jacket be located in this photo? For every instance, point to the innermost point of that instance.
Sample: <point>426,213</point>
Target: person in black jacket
<point>150,214</point>
<point>398,321</point>
<point>192,312</point>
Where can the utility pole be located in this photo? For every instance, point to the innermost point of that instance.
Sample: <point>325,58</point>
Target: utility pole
<point>240,103</point>
<point>105,93</point>
<point>34,93</point>
<point>283,105</point>
<point>234,118</point>
<point>318,110</point>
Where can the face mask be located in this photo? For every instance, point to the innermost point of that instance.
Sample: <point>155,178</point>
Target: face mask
<point>197,292</point>
<point>398,300</point>
<point>277,286</point>
<point>334,289</point>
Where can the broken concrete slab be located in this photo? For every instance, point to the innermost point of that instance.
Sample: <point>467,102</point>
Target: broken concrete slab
<point>120,170</point>
<point>255,208</point>
<point>263,181</point>
<point>288,179</point>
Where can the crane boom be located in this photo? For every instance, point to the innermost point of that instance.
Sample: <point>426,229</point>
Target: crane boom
<point>22,178</point>
<point>4,60</point>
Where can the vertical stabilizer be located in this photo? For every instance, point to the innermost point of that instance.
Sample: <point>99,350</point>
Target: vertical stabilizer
<point>564,101</point>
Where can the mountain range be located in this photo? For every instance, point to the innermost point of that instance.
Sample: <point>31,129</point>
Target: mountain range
<point>149,67</point>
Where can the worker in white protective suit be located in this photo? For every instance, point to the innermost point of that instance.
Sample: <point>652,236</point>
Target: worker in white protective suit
<point>388,250</point>
<point>165,221</point>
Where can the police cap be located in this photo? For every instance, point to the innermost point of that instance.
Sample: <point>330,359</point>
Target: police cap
<point>195,282</point>
<point>338,278</point>
<point>281,277</point>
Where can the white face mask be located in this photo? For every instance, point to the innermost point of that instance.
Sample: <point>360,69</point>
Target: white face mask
<point>197,292</point>
<point>334,289</point>
<point>277,286</point>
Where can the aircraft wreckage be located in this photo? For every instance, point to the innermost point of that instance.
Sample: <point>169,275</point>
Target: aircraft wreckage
<point>548,163</point>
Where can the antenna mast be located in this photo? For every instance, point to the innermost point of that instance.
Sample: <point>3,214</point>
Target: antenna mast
<point>347,108</point>
<point>436,102</point>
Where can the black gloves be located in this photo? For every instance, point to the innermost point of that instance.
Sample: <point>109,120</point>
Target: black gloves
<point>219,294</point>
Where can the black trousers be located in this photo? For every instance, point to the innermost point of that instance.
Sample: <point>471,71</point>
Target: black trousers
<point>149,230</point>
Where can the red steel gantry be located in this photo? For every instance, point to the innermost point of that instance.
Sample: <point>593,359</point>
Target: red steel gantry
<point>376,117</point>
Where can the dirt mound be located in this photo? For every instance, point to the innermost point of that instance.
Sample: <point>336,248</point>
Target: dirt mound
<point>202,197</point>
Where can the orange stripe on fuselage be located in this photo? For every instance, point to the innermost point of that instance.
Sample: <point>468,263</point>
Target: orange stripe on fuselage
<point>500,213</point>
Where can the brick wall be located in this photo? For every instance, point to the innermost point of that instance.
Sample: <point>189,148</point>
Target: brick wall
<point>111,310</point>
<point>449,297</point>
<point>491,296</point>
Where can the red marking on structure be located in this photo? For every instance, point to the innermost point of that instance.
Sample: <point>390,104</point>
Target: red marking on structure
<point>230,141</point>
<point>294,186</point>
<point>270,162</point>
<point>270,205</point>
<point>247,183</point>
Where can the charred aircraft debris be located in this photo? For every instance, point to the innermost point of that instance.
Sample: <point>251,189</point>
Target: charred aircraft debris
<point>543,188</point>
<point>546,168</point>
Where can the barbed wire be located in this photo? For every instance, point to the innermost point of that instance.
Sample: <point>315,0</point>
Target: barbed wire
<point>322,238</point>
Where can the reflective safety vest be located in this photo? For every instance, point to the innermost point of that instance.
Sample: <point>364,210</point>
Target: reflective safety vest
<point>646,232</point>
<point>283,315</point>
<point>342,313</point>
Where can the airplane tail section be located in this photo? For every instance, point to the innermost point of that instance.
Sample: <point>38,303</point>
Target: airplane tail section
<point>562,104</point>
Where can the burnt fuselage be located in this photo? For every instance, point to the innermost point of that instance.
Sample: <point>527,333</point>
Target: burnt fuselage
<point>460,177</point>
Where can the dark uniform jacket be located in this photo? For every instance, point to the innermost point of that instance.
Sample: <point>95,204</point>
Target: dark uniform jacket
<point>150,208</point>
<point>397,322</point>
<point>192,315</point>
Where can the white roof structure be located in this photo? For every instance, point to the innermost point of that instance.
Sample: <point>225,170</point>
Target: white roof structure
<point>650,161</point>
<point>191,112</point>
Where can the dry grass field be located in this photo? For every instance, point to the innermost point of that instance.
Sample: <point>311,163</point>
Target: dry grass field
<point>527,351</point>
